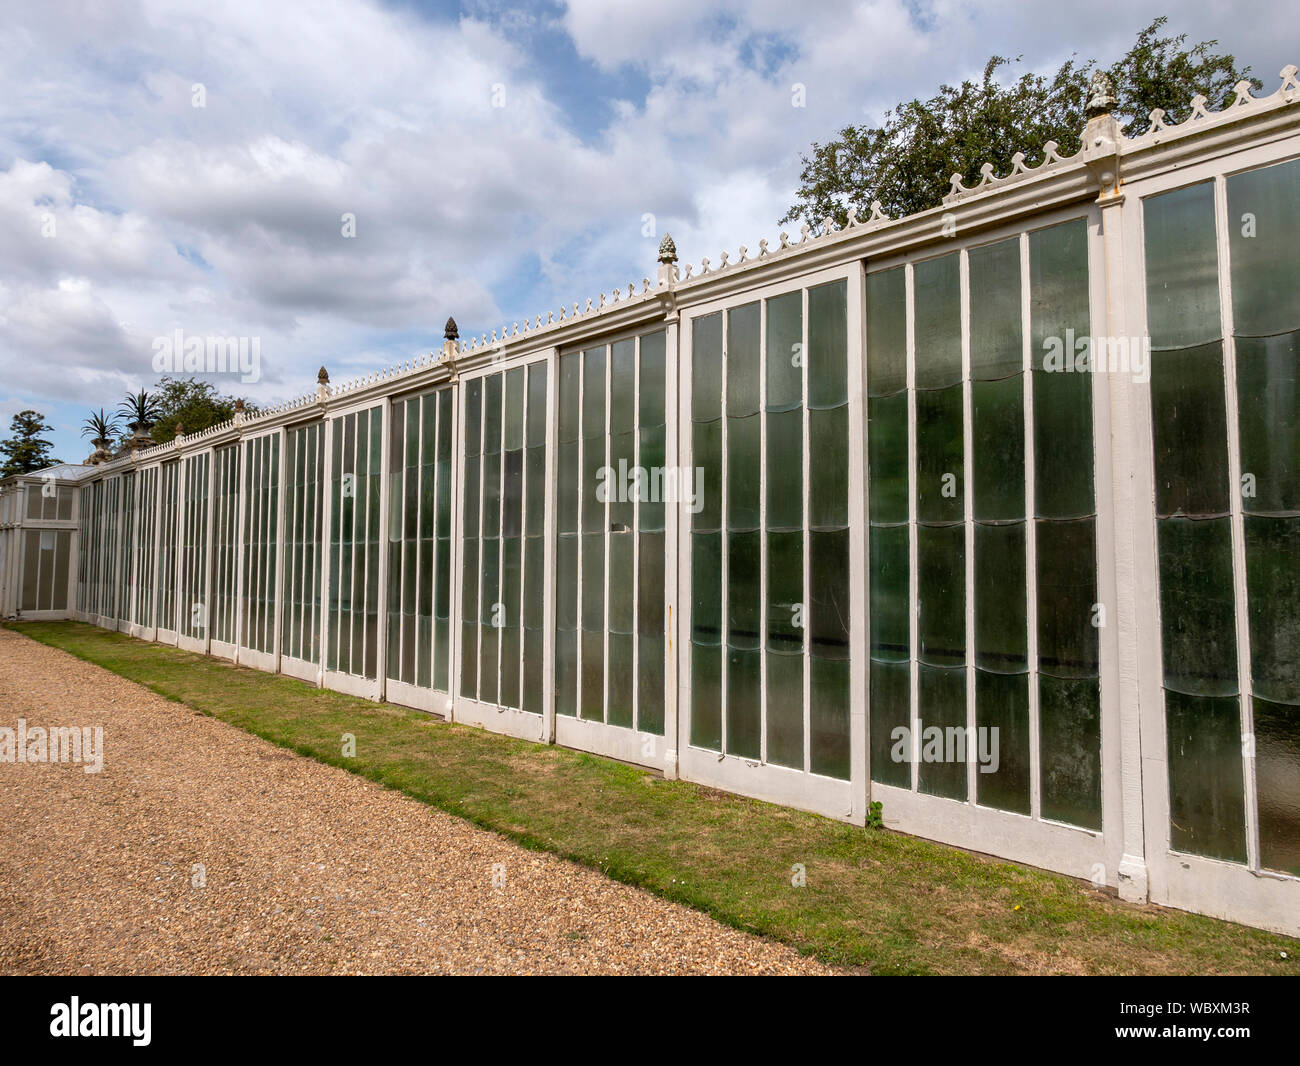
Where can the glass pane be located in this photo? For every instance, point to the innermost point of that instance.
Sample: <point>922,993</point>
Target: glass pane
<point>620,679</point>
<point>706,360</point>
<point>886,458</point>
<point>784,350</point>
<point>568,399</point>
<point>1277,754</point>
<point>890,707</point>
<point>1207,810</point>
<point>744,591</point>
<point>536,404</point>
<point>1273,596</point>
<point>653,382</point>
<point>622,386</point>
<point>941,606</point>
<point>1069,725</point>
<point>886,332</point>
<point>593,393</point>
<point>743,471</point>
<point>1058,289</point>
<point>707,453</point>
<point>828,363</point>
<point>706,696</point>
<point>706,588</point>
<point>514,427</point>
<point>939,455</point>
<point>828,718</point>
<point>1062,445</point>
<point>1197,624</point>
<point>1002,740</point>
<point>998,442</point>
<point>785,469</point>
<point>1268,404</point>
<point>890,597</point>
<point>742,360</point>
<point>1182,266</point>
<point>828,489</point>
<point>942,722</point>
<point>1264,209</point>
<point>1001,621</point>
<point>785,709</point>
<point>744,727</point>
<point>829,592</point>
<point>650,684</point>
<point>995,332</point>
<point>785,607</point>
<point>938,322</point>
<point>1189,427</point>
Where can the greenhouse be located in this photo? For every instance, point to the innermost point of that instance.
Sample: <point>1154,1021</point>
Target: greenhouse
<point>1021,472</point>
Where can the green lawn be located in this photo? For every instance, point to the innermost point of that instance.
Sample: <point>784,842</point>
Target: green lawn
<point>874,899</point>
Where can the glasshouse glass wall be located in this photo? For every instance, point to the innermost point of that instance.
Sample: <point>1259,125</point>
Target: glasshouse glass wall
<point>873,517</point>
<point>1226,423</point>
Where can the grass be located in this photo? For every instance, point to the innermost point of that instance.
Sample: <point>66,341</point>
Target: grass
<point>877,900</point>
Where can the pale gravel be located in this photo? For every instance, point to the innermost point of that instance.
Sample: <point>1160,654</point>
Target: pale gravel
<point>309,869</point>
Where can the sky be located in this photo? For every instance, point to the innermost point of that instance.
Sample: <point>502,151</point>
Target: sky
<point>329,181</point>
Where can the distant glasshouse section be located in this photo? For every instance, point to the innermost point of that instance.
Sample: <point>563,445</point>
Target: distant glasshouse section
<point>989,515</point>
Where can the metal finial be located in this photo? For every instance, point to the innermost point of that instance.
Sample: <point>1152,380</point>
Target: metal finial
<point>323,378</point>
<point>239,404</point>
<point>667,250</point>
<point>449,331</point>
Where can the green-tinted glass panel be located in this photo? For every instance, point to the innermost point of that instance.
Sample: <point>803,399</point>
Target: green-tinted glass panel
<point>942,724</point>
<point>650,684</point>
<point>828,476</point>
<point>998,443</point>
<point>1182,267</point>
<point>828,718</point>
<point>1058,289</point>
<point>1264,232</point>
<point>941,581</point>
<point>785,606</point>
<point>829,592</point>
<point>621,673</point>
<point>652,380</point>
<point>784,348</point>
<point>1268,405</point>
<point>744,726</point>
<point>887,458</point>
<point>1001,625</point>
<point>938,322</point>
<point>785,708</point>
<point>706,588</point>
<point>1207,808</point>
<point>593,393</point>
<point>570,371</point>
<point>891,610</point>
<point>743,360</point>
<point>828,364</point>
<point>886,332</point>
<point>890,707</point>
<point>706,696</point>
<point>1273,598</point>
<point>744,467</point>
<point>1069,732</point>
<point>744,599</point>
<point>785,469</point>
<point>940,448</point>
<point>1189,429</point>
<point>622,386</point>
<point>995,330</point>
<point>1197,625</point>
<point>1277,754</point>
<point>1002,756</point>
<point>1067,595</point>
<point>707,453</point>
<point>1062,445</point>
<point>706,368</point>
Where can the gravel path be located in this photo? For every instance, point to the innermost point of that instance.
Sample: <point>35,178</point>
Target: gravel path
<point>309,869</point>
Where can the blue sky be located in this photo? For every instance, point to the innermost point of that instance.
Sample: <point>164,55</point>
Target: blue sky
<point>498,160</point>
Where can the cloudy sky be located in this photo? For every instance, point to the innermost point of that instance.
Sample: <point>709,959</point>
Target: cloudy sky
<point>497,161</point>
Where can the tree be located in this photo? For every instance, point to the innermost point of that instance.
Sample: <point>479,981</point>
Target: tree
<point>191,403</point>
<point>26,450</point>
<point>907,162</point>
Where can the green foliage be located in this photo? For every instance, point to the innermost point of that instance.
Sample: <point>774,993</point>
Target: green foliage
<point>26,450</point>
<point>875,815</point>
<point>100,426</point>
<point>195,405</point>
<point>907,163</point>
<point>140,409</point>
